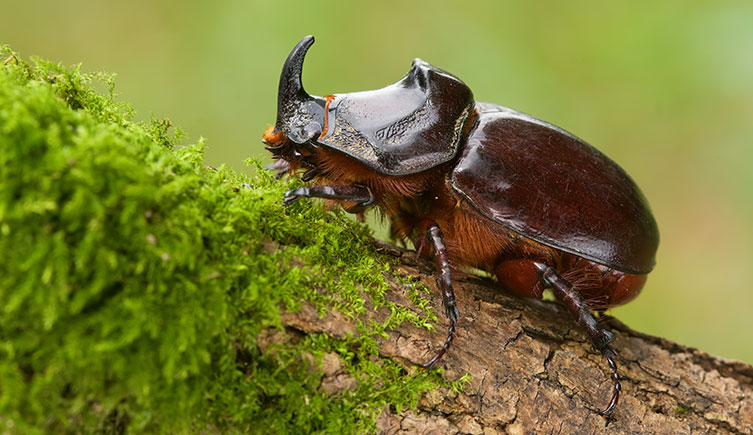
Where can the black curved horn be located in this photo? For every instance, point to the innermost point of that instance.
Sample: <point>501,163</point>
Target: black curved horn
<point>291,87</point>
<point>299,115</point>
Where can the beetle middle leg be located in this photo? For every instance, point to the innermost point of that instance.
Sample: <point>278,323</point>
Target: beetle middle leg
<point>444,282</point>
<point>574,302</point>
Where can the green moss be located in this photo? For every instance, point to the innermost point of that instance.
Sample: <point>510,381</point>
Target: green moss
<point>134,282</point>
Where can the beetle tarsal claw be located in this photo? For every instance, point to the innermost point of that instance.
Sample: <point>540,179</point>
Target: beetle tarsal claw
<point>293,195</point>
<point>451,311</point>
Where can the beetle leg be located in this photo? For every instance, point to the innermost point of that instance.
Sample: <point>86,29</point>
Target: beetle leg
<point>569,295</point>
<point>420,248</point>
<point>281,166</point>
<point>361,195</point>
<point>310,174</point>
<point>444,282</point>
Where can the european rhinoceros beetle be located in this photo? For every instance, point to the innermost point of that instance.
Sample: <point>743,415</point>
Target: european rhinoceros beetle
<point>474,184</point>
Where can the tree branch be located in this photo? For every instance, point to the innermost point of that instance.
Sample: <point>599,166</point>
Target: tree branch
<point>533,370</point>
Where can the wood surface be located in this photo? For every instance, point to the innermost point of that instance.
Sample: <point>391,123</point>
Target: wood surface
<point>534,371</point>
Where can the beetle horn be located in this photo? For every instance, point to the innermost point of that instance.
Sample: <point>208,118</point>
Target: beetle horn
<point>299,115</point>
<point>291,87</point>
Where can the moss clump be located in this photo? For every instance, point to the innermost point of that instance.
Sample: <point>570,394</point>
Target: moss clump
<point>134,282</point>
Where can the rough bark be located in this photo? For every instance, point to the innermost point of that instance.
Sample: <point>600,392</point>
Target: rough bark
<point>534,371</point>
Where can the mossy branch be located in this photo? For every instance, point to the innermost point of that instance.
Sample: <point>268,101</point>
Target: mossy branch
<point>142,291</point>
<point>135,282</point>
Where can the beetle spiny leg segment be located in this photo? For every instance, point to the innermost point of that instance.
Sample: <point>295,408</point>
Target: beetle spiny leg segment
<point>444,282</point>
<point>358,194</point>
<point>573,301</point>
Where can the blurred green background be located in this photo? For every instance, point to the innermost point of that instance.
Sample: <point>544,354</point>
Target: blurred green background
<point>664,88</point>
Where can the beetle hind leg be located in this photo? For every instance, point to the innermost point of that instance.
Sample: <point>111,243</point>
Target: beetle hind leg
<point>574,302</point>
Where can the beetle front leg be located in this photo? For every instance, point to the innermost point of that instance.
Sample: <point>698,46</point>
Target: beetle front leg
<point>361,195</point>
<point>281,166</point>
<point>444,282</point>
<point>569,295</point>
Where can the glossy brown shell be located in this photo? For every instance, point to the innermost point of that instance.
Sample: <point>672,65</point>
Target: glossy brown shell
<point>552,187</point>
<point>408,127</point>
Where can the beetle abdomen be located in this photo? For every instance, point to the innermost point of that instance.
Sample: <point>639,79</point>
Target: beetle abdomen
<point>600,286</point>
<point>552,187</point>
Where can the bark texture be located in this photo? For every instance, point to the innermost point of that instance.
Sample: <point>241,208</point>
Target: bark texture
<point>534,371</point>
